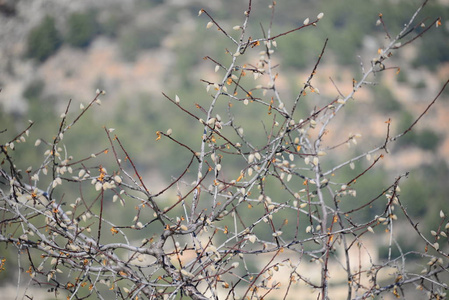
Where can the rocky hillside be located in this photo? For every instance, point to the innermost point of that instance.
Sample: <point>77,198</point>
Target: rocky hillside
<point>139,49</point>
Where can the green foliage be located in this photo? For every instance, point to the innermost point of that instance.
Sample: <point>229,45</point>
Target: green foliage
<point>82,29</point>
<point>136,39</point>
<point>34,89</point>
<point>385,100</point>
<point>426,139</point>
<point>111,24</point>
<point>425,191</point>
<point>44,40</point>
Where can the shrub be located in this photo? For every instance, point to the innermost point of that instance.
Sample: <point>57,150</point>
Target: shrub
<point>44,40</point>
<point>82,29</point>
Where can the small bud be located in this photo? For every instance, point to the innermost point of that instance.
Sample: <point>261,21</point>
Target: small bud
<point>237,27</point>
<point>306,21</point>
<point>117,179</point>
<point>277,233</point>
<point>307,160</point>
<point>252,238</point>
<point>177,100</point>
<point>209,25</point>
<point>320,16</point>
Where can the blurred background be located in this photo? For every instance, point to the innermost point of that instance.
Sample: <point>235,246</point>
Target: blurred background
<point>55,50</point>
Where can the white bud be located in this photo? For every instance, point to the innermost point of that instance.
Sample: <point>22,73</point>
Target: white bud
<point>320,16</point>
<point>306,21</point>
<point>98,186</point>
<point>436,246</point>
<point>252,238</point>
<point>209,24</point>
<point>177,100</point>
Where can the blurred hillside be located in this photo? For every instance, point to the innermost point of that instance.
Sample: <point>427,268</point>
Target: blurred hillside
<point>53,51</point>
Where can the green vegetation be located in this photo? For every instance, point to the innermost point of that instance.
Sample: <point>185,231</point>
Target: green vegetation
<point>44,40</point>
<point>385,100</point>
<point>82,29</point>
<point>426,139</point>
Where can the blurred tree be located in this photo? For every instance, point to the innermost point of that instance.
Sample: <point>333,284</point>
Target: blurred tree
<point>82,29</point>
<point>44,40</point>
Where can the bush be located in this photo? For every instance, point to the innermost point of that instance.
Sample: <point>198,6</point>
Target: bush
<point>82,29</point>
<point>44,40</point>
